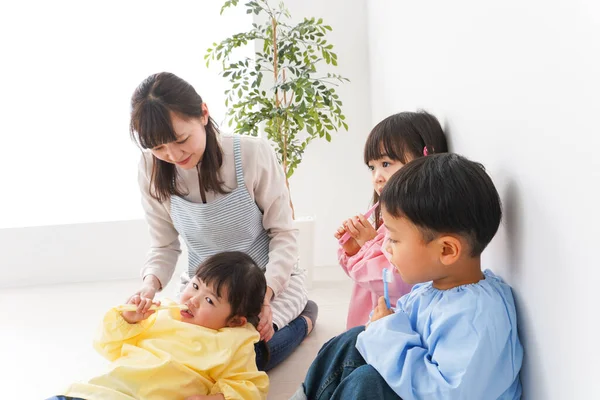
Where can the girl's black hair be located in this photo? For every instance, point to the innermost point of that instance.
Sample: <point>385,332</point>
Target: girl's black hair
<point>245,282</point>
<point>152,103</point>
<point>404,137</point>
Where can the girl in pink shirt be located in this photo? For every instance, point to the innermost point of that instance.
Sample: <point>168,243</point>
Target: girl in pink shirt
<point>392,143</point>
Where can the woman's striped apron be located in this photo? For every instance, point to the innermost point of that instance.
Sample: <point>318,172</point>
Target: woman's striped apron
<point>234,223</point>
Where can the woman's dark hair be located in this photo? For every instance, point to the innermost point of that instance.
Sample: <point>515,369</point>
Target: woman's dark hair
<point>152,103</point>
<point>446,193</point>
<point>245,282</point>
<point>404,137</point>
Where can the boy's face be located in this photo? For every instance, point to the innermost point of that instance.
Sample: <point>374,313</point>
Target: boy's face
<point>415,260</point>
<point>205,307</point>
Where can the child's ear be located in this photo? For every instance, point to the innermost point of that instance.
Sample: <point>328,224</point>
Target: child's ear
<point>450,249</point>
<point>236,321</point>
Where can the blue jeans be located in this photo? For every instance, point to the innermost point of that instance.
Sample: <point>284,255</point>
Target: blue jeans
<point>64,398</point>
<point>339,372</point>
<point>281,345</point>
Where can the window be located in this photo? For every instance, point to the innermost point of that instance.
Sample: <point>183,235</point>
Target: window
<point>68,71</point>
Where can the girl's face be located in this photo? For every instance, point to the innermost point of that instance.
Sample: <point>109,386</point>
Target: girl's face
<point>382,169</point>
<point>187,151</point>
<point>205,308</point>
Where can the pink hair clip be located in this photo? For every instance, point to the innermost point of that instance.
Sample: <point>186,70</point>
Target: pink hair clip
<point>425,151</point>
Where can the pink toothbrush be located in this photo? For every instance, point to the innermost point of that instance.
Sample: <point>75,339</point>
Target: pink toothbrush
<point>347,236</point>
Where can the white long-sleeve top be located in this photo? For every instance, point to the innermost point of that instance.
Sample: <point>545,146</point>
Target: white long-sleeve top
<point>265,182</point>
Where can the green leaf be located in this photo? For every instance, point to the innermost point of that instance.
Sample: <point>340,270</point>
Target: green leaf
<point>311,109</point>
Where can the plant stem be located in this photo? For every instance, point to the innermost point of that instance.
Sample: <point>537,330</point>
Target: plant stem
<point>278,104</point>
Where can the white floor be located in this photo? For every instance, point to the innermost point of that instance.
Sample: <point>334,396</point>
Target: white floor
<point>46,334</point>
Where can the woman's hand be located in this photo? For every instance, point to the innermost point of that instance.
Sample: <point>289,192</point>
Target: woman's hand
<point>147,292</point>
<point>265,325</point>
<point>143,311</point>
<point>149,288</point>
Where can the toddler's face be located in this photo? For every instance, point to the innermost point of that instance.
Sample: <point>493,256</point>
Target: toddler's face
<point>415,260</point>
<point>205,307</point>
<point>382,170</point>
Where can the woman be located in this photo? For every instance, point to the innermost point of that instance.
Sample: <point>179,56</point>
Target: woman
<point>219,193</point>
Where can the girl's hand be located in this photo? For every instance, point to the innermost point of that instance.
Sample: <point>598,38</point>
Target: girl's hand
<point>143,311</point>
<point>381,310</point>
<point>350,247</point>
<point>360,229</point>
<point>265,325</point>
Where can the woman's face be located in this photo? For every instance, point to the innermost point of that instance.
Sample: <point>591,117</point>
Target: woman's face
<point>187,151</point>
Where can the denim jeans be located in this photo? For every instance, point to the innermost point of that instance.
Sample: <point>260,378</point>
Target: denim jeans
<point>339,372</point>
<point>64,398</point>
<point>281,345</point>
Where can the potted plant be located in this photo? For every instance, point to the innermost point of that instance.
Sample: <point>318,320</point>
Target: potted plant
<point>280,90</point>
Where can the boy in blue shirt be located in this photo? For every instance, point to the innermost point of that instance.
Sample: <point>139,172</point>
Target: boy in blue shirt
<point>454,336</point>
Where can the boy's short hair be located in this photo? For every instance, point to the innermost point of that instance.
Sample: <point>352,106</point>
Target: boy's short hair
<point>446,193</point>
<point>245,282</point>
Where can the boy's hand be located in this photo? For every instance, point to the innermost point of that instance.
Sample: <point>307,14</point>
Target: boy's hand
<point>381,310</point>
<point>143,309</point>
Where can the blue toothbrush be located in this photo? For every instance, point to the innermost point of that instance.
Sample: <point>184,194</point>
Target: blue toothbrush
<point>387,278</point>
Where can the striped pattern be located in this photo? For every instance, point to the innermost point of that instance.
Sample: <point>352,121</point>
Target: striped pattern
<point>234,223</point>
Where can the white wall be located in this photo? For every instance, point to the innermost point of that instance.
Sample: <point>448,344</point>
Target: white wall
<point>68,167</point>
<point>73,253</point>
<point>77,65</point>
<point>332,183</point>
<point>69,69</point>
<point>517,83</point>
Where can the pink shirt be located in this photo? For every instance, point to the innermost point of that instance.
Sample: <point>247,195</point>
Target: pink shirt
<point>365,269</point>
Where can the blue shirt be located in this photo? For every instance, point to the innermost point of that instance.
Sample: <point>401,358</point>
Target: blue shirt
<point>460,343</point>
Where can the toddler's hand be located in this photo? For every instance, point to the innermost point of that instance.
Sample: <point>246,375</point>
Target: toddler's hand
<point>381,310</point>
<point>143,309</point>
<point>350,247</point>
<point>360,229</point>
